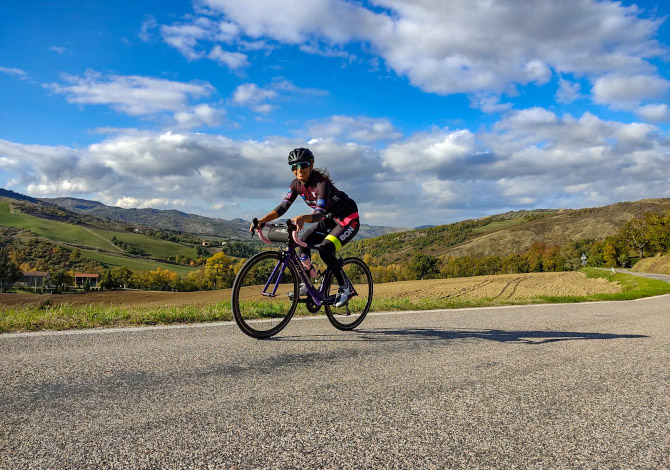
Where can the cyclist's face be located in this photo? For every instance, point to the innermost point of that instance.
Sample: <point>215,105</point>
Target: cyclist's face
<point>303,173</point>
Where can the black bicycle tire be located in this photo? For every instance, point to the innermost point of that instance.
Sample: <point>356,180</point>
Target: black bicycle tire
<point>234,302</point>
<point>329,278</point>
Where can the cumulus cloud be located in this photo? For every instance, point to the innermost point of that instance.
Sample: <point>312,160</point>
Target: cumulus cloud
<point>233,60</point>
<point>654,112</point>
<point>567,91</point>
<point>258,98</point>
<point>443,153</point>
<point>530,158</point>
<point>202,114</point>
<point>141,96</point>
<point>447,47</point>
<point>358,129</point>
<point>627,91</point>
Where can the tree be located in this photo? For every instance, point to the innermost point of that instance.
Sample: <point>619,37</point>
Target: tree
<point>636,234</point>
<point>61,278</point>
<point>9,271</point>
<point>106,280</point>
<point>121,276</point>
<point>219,271</point>
<point>75,255</point>
<point>424,266</point>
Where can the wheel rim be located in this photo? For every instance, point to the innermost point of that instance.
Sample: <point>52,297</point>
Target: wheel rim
<point>352,313</point>
<point>259,314</point>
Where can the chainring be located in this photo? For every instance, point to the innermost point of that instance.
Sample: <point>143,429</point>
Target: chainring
<point>311,306</point>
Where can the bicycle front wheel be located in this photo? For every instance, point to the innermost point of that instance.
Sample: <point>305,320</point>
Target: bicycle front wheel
<point>265,294</point>
<point>350,315</point>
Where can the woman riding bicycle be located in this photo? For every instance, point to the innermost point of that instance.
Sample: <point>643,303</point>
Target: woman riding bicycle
<point>330,234</point>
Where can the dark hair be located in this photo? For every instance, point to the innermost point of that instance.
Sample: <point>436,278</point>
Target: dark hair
<point>322,173</point>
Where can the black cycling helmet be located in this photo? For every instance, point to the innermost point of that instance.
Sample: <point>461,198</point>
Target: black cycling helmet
<point>300,155</point>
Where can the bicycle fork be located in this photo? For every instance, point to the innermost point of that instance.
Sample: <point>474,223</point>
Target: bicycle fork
<point>276,273</point>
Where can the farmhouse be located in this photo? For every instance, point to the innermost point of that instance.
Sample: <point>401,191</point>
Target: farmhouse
<point>33,279</point>
<point>80,280</point>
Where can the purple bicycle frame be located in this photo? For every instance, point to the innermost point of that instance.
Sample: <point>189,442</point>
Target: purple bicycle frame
<point>317,295</point>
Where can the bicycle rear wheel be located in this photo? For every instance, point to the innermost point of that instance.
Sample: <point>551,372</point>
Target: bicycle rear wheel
<point>260,299</point>
<point>350,315</point>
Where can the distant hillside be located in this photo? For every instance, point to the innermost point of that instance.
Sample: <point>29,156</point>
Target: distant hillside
<point>157,218</point>
<point>183,222</point>
<point>12,195</point>
<point>503,234</point>
<point>105,241</point>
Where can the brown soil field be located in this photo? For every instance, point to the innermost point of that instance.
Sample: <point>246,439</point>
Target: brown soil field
<point>505,286</point>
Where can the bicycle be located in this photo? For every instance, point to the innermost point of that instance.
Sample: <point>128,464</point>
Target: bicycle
<point>265,292</point>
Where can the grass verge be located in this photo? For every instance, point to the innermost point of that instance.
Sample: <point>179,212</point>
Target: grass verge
<point>69,317</point>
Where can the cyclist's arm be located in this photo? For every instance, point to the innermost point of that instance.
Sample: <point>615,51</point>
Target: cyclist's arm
<point>280,209</point>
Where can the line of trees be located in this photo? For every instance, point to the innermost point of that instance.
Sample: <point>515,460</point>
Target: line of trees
<point>646,235</point>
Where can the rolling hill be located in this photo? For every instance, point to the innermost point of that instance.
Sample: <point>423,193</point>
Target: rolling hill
<point>503,234</point>
<point>97,239</point>
<point>236,229</point>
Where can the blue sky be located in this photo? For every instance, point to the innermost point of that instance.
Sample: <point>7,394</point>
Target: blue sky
<point>425,112</point>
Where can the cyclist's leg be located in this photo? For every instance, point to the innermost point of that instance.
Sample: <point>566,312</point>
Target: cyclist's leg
<point>336,239</point>
<point>312,236</point>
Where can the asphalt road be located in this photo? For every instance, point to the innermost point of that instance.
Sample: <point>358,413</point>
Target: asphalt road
<point>660,277</point>
<point>549,386</point>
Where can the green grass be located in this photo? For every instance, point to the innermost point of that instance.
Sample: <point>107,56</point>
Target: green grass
<point>73,234</point>
<point>152,246</point>
<point>134,264</point>
<point>51,229</point>
<point>68,317</point>
<point>495,226</point>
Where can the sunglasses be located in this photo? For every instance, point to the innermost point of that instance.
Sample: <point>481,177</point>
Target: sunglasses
<point>300,165</point>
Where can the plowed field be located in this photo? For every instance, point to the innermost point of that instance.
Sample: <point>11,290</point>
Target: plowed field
<point>508,286</point>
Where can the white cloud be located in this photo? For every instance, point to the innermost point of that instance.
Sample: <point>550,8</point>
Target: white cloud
<point>531,158</point>
<point>567,91</point>
<point>14,71</point>
<point>654,112</point>
<point>133,95</point>
<point>202,114</point>
<point>233,60</point>
<point>460,45</point>
<point>58,50</point>
<point>488,103</point>
<point>148,26</point>
<point>357,129</point>
<point>627,91</point>
<point>251,95</point>
<point>141,96</point>
<point>185,36</point>
<point>441,152</point>
<point>257,98</point>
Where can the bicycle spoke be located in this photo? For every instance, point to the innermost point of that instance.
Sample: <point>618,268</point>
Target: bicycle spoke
<point>261,302</point>
<point>353,312</point>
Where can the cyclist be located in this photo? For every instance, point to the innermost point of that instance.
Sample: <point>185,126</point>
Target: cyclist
<point>329,234</point>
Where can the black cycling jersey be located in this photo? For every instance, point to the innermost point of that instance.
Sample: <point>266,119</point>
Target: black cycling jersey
<point>321,195</point>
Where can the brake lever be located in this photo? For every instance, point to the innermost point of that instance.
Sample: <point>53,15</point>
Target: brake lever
<point>256,226</point>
